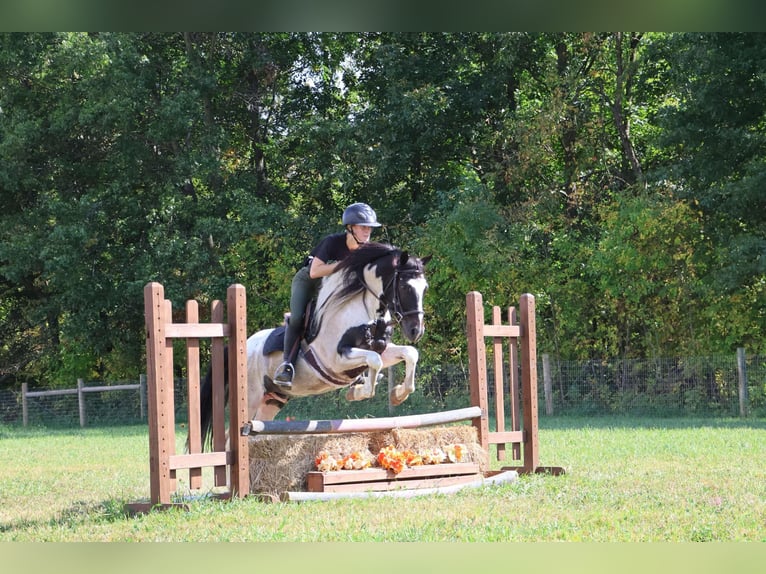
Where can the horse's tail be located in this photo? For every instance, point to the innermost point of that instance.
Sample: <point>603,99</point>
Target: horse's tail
<point>206,400</point>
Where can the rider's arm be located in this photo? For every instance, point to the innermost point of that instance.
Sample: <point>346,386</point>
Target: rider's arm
<point>319,268</point>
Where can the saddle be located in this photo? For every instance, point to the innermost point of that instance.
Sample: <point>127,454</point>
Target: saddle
<point>276,340</point>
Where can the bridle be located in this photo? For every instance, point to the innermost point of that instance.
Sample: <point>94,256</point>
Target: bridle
<point>395,305</point>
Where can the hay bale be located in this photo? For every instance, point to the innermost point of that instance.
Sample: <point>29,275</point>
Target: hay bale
<point>425,439</point>
<point>280,463</point>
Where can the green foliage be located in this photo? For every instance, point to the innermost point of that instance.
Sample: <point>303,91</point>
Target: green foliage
<point>618,177</point>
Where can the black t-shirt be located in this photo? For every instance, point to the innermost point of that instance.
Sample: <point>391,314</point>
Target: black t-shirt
<point>332,248</point>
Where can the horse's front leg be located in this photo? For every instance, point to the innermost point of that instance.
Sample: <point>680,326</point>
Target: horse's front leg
<point>355,358</point>
<point>396,354</point>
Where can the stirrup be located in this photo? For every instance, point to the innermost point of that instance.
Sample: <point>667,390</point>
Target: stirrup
<point>284,374</point>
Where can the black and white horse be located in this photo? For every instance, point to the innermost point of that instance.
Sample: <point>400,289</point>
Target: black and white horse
<point>348,338</point>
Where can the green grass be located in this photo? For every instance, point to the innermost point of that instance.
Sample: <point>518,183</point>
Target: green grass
<point>631,480</point>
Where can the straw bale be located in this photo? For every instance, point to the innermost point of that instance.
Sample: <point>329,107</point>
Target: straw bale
<point>424,439</point>
<point>280,463</point>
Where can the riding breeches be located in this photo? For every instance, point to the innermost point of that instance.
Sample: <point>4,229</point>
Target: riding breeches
<point>303,288</point>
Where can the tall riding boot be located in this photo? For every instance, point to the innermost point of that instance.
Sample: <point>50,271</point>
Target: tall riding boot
<point>284,373</point>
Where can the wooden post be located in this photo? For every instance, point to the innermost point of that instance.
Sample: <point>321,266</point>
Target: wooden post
<point>497,350</point>
<point>513,394</point>
<point>529,381</point>
<point>157,384</point>
<point>81,401</point>
<point>219,417</point>
<point>547,384</point>
<point>236,304</point>
<point>742,373</point>
<point>24,406</point>
<point>477,364</point>
<point>193,391</point>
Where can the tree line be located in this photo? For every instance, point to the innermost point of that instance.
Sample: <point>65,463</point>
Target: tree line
<point>619,177</point>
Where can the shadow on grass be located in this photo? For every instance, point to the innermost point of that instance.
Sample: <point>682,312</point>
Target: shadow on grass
<point>78,514</point>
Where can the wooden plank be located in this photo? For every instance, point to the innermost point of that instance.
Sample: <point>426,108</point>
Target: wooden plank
<point>490,478</point>
<point>193,390</point>
<point>381,479</point>
<point>502,331</point>
<point>219,404</point>
<point>497,349</point>
<point>198,460</point>
<point>513,392</point>
<point>373,474</point>
<point>196,330</point>
<point>506,437</point>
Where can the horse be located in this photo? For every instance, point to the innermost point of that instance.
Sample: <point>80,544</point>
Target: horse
<point>347,340</point>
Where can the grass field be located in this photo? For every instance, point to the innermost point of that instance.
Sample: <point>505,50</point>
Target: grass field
<point>628,480</point>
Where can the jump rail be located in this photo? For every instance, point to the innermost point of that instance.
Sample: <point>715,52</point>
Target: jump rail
<point>255,427</point>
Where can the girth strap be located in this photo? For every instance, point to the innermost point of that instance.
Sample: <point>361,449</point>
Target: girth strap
<point>330,377</point>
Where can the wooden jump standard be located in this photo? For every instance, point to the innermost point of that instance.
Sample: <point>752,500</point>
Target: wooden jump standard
<point>522,345</point>
<point>230,461</point>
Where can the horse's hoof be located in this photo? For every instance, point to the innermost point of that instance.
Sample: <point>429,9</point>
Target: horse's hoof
<point>356,393</point>
<point>394,399</point>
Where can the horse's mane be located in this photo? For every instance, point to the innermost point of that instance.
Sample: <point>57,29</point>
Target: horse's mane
<point>348,279</point>
<point>353,265</point>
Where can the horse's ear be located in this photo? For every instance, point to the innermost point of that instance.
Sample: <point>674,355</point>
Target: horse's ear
<point>426,259</point>
<point>403,259</point>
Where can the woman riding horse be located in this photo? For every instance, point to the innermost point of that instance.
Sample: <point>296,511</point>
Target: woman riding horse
<point>358,219</point>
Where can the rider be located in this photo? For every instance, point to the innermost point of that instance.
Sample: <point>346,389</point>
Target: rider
<point>358,219</point>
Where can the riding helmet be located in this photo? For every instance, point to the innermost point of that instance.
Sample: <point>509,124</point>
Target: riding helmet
<point>360,214</point>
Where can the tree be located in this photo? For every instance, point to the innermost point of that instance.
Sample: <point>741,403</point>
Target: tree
<point>716,142</point>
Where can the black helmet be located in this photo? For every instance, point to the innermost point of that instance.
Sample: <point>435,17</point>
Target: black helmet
<point>360,214</point>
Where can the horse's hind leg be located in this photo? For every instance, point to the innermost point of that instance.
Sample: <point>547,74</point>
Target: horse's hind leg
<point>396,354</point>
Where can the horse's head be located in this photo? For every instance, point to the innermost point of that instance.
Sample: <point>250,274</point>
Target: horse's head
<point>400,283</point>
<point>405,293</point>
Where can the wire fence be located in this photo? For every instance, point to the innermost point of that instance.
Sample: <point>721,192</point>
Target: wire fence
<point>661,387</point>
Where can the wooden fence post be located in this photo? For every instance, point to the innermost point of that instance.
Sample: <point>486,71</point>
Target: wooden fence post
<point>81,401</point>
<point>742,373</point>
<point>142,395</point>
<point>547,384</point>
<point>24,407</point>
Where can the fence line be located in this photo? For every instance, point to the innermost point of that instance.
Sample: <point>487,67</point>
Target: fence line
<point>81,390</point>
<point>718,385</point>
<point>724,385</point>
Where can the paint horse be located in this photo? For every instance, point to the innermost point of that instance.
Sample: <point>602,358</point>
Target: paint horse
<point>348,335</point>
